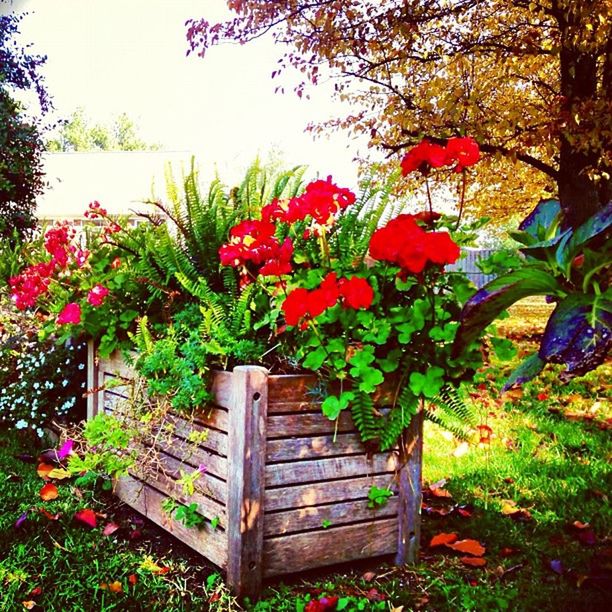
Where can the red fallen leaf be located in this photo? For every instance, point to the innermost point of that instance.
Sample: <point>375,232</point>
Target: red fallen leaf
<point>464,511</point>
<point>473,561</point>
<point>508,551</point>
<point>580,525</point>
<point>214,597</point>
<point>443,539</point>
<point>110,528</point>
<point>369,576</point>
<point>51,517</point>
<point>471,547</point>
<point>484,430</point>
<point>132,579</point>
<point>115,587</point>
<point>86,517</point>
<point>135,534</point>
<point>542,397</point>
<point>48,492</point>
<point>35,592</point>
<point>43,470</point>
<point>432,511</point>
<point>439,492</point>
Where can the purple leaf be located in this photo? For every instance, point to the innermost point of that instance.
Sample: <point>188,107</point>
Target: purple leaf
<point>65,449</point>
<point>21,520</point>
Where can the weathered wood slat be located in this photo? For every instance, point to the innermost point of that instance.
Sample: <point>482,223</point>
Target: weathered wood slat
<point>116,366</point>
<point>316,470</point>
<point>212,416</point>
<point>215,440</point>
<point>116,385</point>
<point>288,449</point>
<point>206,484</point>
<point>305,424</point>
<point>298,552</point>
<point>221,388</point>
<point>297,496</point>
<point>302,519</point>
<point>207,507</point>
<point>245,509</point>
<point>212,543</point>
<point>194,455</point>
<point>290,387</point>
<point>93,376</point>
<point>290,407</point>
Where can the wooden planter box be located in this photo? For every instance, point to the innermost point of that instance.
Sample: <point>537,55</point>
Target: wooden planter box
<point>274,477</point>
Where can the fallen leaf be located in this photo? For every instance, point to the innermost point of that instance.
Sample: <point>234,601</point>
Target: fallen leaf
<point>557,567</point>
<point>51,517</point>
<point>151,566</point>
<point>580,525</point>
<point>103,586</point>
<point>369,576</point>
<point>21,520</point>
<point>508,551</point>
<point>509,507</point>
<point>35,592</point>
<point>110,528</point>
<point>542,397</point>
<point>443,539</point>
<point>514,394</point>
<point>65,449</point>
<point>86,517</point>
<point>48,492</point>
<point>132,579</point>
<point>438,492</point>
<point>473,561</point>
<point>59,474</point>
<point>43,470</point>
<point>28,605</point>
<point>471,547</point>
<point>115,587</point>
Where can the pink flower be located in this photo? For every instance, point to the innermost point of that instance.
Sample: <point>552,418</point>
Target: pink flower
<point>70,314</point>
<point>96,296</point>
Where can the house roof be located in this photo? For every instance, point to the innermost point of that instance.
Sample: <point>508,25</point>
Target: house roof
<point>119,180</point>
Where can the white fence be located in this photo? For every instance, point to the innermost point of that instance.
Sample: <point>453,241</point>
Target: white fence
<point>467,263</point>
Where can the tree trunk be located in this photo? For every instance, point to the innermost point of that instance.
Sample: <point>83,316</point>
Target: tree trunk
<point>580,195</point>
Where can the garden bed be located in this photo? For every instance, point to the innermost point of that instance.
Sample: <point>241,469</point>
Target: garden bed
<point>286,487</point>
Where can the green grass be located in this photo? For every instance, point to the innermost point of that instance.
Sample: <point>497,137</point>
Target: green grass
<point>550,456</point>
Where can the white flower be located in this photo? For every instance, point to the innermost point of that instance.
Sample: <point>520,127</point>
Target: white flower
<point>21,424</point>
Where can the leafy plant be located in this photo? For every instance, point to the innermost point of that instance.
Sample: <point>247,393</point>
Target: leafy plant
<point>571,266</point>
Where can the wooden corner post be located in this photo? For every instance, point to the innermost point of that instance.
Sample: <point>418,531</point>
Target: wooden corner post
<point>246,455</point>
<point>92,381</point>
<point>410,490</point>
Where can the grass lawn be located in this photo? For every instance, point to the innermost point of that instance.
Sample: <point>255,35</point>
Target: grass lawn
<point>534,493</point>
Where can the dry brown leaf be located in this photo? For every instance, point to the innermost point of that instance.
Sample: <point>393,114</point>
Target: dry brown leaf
<point>471,547</point>
<point>443,539</point>
<point>473,561</point>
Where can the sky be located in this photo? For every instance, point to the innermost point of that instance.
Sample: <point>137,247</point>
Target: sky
<point>114,56</point>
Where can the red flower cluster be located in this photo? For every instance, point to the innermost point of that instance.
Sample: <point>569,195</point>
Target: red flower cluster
<point>33,282</point>
<point>403,242</point>
<point>463,152</point>
<point>323,604</point>
<point>58,243</point>
<point>95,211</point>
<point>321,200</point>
<point>301,303</point>
<point>254,241</point>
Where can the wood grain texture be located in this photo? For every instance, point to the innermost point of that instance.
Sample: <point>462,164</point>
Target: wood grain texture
<point>247,445</point>
<point>207,507</point>
<point>299,496</point>
<point>212,543</point>
<point>212,416</point>
<point>308,424</point>
<point>316,470</point>
<point>298,552</point>
<point>194,455</point>
<point>302,519</point>
<point>410,491</point>
<point>312,447</point>
<point>215,440</point>
<point>289,407</point>
<point>221,388</point>
<point>290,387</point>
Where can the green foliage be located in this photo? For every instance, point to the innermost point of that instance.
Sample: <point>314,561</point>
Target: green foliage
<point>453,412</point>
<point>79,134</point>
<point>189,516</point>
<point>378,497</point>
<point>571,267</point>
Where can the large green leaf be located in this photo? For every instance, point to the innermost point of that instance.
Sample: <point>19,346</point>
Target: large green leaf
<point>594,226</point>
<point>487,303</point>
<point>529,368</point>
<point>542,224</point>
<point>579,333</point>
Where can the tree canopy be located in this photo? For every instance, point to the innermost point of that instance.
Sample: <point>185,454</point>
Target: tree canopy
<point>531,80</point>
<point>79,134</point>
<point>21,176</point>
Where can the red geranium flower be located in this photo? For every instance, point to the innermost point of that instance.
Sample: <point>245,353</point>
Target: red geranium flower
<point>295,306</point>
<point>70,314</point>
<point>464,151</point>
<point>96,296</point>
<point>441,249</point>
<point>425,155</point>
<point>356,293</point>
